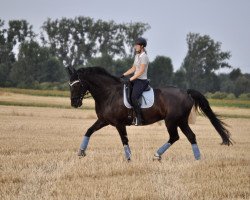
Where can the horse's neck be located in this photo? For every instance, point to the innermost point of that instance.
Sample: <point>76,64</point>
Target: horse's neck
<point>100,90</point>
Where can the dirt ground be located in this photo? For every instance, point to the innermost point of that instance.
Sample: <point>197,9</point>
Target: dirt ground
<point>38,159</point>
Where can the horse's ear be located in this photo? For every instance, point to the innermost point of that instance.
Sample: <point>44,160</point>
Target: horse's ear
<point>71,70</point>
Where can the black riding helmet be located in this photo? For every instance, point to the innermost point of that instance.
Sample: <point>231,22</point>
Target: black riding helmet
<point>141,41</point>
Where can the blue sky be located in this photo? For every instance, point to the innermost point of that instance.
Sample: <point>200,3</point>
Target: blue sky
<point>226,21</point>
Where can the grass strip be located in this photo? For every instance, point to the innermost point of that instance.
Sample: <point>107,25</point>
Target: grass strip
<point>229,103</point>
<point>235,116</point>
<point>55,93</point>
<point>9,103</point>
<point>58,93</point>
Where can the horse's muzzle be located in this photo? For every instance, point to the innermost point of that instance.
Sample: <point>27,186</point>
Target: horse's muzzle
<point>76,103</point>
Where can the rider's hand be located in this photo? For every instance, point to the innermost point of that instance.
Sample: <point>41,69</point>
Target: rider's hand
<point>125,79</point>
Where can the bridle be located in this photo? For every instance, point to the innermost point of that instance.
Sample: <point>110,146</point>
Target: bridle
<point>82,94</point>
<point>77,81</point>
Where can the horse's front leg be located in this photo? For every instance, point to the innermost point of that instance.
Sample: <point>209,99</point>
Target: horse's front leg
<point>96,126</point>
<point>123,134</point>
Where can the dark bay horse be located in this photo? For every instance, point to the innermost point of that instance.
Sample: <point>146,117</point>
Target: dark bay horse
<point>171,104</point>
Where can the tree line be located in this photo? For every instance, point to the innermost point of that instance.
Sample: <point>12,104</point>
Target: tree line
<point>31,60</point>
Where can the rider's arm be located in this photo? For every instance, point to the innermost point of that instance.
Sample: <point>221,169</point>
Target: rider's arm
<point>130,71</point>
<point>142,69</point>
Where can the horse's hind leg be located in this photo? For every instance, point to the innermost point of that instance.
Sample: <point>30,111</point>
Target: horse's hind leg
<point>192,139</point>
<point>96,126</point>
<point>174,136</point>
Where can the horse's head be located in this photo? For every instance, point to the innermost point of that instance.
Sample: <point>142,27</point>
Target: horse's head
<point>78,88</point>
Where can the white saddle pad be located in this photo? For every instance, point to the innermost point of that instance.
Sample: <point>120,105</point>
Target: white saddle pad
<point>147,98</point>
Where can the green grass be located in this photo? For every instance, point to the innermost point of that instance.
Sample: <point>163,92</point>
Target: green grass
<point>56,93</point>
<point>234,116</point>
<point>9,103</point>
<point>230,103</point>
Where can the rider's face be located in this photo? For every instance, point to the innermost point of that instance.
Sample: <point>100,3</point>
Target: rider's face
<point>138,48</point>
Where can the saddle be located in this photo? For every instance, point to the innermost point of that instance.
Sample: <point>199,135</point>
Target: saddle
<point>146,100</point>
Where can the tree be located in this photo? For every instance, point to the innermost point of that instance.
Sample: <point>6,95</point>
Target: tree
<point>226,84</point>
<point>110,38</point>
<point>52,71</point>
<point>76,41</point>
<point>203,58</point>
<point>105,61</point>
<point>35,64</point>
<point>122,65</point>
<point>161,71</point>
<point>17,32</point>
<point>64,41</point>
<point>242,85</point>
<point>4,74</point>
<point>234,74</point>
<point>179,79</point>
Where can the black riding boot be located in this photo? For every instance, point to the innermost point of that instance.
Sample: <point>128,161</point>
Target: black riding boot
<point>137,108</point>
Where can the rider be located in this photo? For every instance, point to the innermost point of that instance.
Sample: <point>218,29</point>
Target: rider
<point>139,79</point>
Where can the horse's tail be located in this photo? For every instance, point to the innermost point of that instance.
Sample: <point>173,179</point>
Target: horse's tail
<point>203,104</point>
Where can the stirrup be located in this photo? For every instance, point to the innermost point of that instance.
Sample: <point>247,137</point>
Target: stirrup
<point>135,122</point>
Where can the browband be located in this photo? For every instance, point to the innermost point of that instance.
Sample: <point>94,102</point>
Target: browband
<point>71,84</point>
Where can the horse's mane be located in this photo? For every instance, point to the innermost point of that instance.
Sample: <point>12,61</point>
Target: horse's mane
<point>97,71</point>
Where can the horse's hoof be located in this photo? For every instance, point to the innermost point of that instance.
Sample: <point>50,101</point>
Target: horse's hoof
<point>81,153</point>
<point>157,157</point>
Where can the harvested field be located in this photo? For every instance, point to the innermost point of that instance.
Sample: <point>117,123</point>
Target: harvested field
<point>38,158</point>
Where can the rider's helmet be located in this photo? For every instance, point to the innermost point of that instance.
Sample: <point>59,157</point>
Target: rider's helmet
<point>141,41</point>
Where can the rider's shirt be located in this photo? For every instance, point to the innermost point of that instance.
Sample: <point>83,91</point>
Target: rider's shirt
<point>140,59</point>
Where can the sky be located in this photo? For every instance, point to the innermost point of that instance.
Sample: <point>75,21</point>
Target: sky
<point>225,21</point>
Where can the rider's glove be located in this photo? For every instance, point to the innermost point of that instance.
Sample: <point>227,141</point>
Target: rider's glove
<point>125,79</point>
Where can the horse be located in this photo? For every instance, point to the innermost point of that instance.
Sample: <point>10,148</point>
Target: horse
<point>171,104</point>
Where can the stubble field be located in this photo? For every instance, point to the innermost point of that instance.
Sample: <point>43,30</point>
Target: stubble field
<point>38,159</point>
